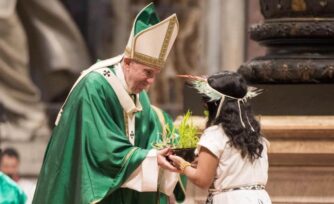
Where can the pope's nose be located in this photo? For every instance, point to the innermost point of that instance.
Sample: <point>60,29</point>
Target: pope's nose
<point>150,80</point>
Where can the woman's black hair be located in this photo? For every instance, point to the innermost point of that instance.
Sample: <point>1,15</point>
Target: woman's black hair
<point>243,138</point>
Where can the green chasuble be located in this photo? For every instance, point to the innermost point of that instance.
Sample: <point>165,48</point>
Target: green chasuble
<point>89,155</point>
<point>10,192</point>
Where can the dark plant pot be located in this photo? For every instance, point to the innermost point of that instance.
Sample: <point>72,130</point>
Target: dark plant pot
<point>187,154</point>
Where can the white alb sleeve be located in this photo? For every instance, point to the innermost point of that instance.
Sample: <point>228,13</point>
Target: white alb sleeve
<point>167,181</point>
<point>145,177</point>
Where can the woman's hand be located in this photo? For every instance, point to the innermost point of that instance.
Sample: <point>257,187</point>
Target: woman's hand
<point>176,160</point>
<point>162,161</point>
<point>179,163</point>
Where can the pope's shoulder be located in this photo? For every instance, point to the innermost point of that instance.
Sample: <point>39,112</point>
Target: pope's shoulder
<point>93,79</point>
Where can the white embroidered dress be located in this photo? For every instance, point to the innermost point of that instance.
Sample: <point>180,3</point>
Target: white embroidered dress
<point>233,171</point>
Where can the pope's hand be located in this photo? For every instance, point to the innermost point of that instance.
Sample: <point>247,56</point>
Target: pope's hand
<point>162,161</point>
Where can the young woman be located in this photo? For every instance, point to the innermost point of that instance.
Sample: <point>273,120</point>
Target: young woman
<point>232,154</point>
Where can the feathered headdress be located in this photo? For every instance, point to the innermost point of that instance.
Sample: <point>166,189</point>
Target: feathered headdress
<point>203,87</point>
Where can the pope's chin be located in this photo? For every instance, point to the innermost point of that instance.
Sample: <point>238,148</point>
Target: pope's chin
<point>137,90</point>
<point>146,88</point>
<point>140,89</point>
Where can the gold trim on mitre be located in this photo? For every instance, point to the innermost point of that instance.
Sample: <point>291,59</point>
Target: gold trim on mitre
<point>150,60</point>
<point>168,36</point>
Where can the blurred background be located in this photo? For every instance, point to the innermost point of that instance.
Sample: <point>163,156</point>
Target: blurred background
<point>285,47</point>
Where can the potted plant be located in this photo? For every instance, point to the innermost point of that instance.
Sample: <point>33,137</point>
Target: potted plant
<point>183,140</point>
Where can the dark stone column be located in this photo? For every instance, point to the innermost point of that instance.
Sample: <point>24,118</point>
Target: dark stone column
<point>297,75</point>
<point>297,71</point>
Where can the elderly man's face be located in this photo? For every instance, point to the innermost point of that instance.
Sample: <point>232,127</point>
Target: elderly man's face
<point>10,166</point>
<point>138,76</point>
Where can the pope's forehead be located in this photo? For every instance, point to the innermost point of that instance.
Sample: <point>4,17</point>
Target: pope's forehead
<point>146,67</point>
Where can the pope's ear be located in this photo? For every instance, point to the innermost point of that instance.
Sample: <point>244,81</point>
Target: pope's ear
<point>127,61</point>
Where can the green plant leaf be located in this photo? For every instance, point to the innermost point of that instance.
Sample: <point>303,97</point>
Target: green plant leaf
<point>186,136</point>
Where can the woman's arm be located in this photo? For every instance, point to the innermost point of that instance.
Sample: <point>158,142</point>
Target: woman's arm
<point>203,175</point>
